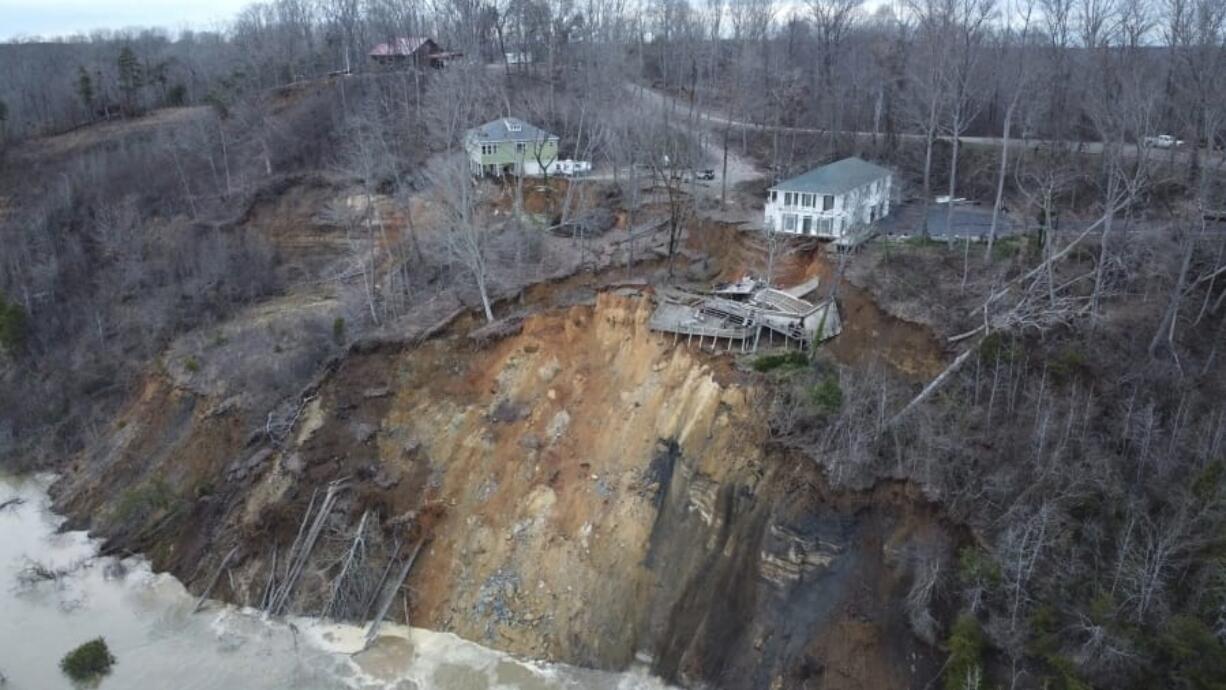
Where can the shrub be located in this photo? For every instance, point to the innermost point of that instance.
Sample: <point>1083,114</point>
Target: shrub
<point>1007,247</point>
<point>1208,481</point>
<point>787,360</point>
<point>338,330</point>
<point>191,364</point>
<point>88,661</point>
<point>827,396</point>
<point>1068,363</point>
<point>177,95</point>
<point>12,325</point>
<point>995,345</point>
<point>975,566</point>
<point>1045,644</point>
<point>1196,653</point>
<point>964,670</point>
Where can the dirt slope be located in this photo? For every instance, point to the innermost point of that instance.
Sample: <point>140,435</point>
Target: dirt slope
<point>590,494</point>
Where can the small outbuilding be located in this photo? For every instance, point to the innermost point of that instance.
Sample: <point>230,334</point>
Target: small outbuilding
<point>832,201</point>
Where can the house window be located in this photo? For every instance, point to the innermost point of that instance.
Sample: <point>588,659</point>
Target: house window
<point>489,149</point>
<point>789,222</point>
<point>806,200</point>
<point>521,147</point>
<point>823,226</point>
<point>789,199</point>
<point>774,196</point>
<point>827,203</point>
<point>807,225</point>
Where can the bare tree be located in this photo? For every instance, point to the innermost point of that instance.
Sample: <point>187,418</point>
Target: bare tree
<point>466,232</point>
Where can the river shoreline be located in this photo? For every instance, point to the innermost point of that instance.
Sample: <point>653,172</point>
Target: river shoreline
<point>149,623</point>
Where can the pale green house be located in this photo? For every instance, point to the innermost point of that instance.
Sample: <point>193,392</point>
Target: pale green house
<point>510,146</point>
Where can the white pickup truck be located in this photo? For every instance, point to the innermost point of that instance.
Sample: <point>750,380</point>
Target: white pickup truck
<point>1163,141</point>
<point>570,167</point>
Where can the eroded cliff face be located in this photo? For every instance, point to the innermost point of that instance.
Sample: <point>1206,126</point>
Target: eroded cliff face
<point>589,493</point>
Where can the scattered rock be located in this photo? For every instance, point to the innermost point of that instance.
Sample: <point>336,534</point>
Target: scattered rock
<point>703,270</point>
<point>558,425</point>
<point>230,404</point>
<point>293,463</point>
<point>506,412</point>
<point>377,392</point>
<point>240,468</point>
<point>548,371</point>
<point>115,570</point>
<point>387,477</point>
<point>363,432</point>
<point>497,330</point>
<point>530,441</point>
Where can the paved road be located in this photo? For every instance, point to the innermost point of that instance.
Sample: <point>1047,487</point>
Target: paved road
<point>713,117</point>
<point>740,168</point>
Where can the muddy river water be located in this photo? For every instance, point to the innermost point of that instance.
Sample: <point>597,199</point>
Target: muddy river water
<point>149,624</point>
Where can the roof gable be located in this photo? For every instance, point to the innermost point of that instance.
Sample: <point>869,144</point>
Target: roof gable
<point>404,46</point>
<point>835,178</point>
<point>509,129</point>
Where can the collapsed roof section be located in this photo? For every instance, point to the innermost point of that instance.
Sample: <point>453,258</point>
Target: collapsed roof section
<point>740,313</point>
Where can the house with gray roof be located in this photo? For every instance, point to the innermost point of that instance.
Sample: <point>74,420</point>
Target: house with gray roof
<point>832,201</point>
<point>510,146</point>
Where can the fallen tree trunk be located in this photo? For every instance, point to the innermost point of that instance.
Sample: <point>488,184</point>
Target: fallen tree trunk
<point>213,582</point>
<point>934,384</point>
<point>387,569</point>
<point>987,326</point>
<point>389,594</point>
<point>351,556</point>
<point>297,561</point>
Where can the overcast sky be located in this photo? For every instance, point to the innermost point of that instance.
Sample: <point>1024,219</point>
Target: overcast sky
<point>64,17</point>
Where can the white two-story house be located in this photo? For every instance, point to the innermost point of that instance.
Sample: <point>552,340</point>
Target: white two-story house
<point>831,201</point>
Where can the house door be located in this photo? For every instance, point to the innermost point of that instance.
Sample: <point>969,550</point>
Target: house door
<point>807,225</point>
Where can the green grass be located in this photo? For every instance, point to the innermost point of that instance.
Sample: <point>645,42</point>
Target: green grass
<point>89,661</point>
<point>786,360</point>
<point>920,241</point>
<point>140,502</point>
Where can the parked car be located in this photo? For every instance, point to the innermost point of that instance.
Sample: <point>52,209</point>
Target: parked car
<point>1164,141</point>
<point>705,174</point>
<point>570,167</point>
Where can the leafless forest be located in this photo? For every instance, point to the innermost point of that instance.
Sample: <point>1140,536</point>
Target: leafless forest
<point>1076,434</point>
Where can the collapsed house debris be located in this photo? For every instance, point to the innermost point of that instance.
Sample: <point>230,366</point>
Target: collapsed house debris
<point>739,312</point>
